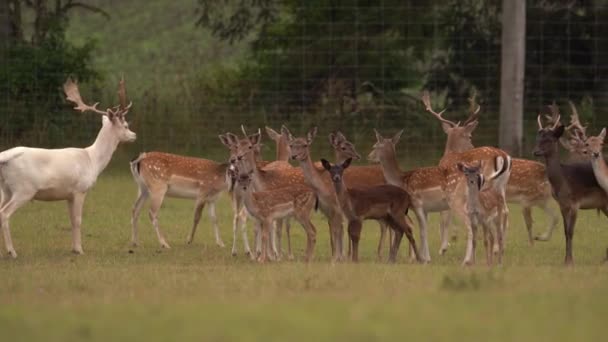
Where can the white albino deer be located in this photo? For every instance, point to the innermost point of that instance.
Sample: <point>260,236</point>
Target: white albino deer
<point>61,174</point>
<point>296,201</point>
<point>359,176</point>
<point>486,208</point>
<point>527,186</point>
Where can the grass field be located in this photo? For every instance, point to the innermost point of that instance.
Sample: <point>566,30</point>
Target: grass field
<point>200,291</point>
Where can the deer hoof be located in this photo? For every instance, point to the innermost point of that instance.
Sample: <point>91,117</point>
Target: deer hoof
<point>165,245</point>
<point>12,253</point>
<point>77,251</point>
<point>220,243</point>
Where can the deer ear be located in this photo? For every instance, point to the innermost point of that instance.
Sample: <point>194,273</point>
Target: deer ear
<point>559,131</point>
<point>224,139</point>
<point>346,163</point>
<point>326,164</point>
<point>333,140</point>
<point>312,133</point>
<point>396,137</point>
<point>286,132</point>
<point>602,134</point>
<point>446,127</point>
<point>272,134</point>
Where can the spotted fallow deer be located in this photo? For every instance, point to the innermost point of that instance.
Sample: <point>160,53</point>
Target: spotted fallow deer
<point>527,186</point>
<point>274,176</point>
<point>423,185</point>
<point>159,175</point>
<point>296,200</point>
<point>61,174</point>
<point>486,208</point>
<point>497,170</point>
<point>359,176</point>
<point>574,185</point>
<point>386,203</point>
<point>321,184</point>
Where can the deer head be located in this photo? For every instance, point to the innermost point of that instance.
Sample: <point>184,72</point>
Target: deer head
<point>458,135</point>
<point>114,116</point>
<point>473,175</point>
<point>547,138</point>
<point>384,147</point>
<point>594,145</point>
<point>336,171</point>
<point>299,146</point>
<point>344,148</point>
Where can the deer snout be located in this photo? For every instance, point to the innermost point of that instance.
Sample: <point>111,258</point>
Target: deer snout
<point>537,152</point>
<point>595,154</point>
<point>336,178</point>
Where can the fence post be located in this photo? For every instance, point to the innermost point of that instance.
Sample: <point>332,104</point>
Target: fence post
<point>512,75</point>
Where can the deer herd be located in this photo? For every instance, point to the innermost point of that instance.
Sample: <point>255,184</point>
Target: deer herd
<point>472,184</point>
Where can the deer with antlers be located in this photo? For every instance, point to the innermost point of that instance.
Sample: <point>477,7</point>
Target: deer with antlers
<point>527,186</point>
<point>497,169</point>
<point>61,174</point>
<point>574,185</point>
<point>387,203</point>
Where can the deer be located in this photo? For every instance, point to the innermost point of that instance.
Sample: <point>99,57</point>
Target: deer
<point>423,185</point>
<point>497,170</point>
<point>387,203</point>
<point>321,184</point>
<point>159,175</point>
<point>574,184</point>
<point>296,201</point>
<point>484,207</point>
<point>595,146</point>
<point>527,186</point>
<point>67,174</point>
<point>365,175</point>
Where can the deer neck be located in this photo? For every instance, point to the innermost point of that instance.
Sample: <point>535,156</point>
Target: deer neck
<point>455,145</point>
<point>473,203</point>
<point>554,170</point>
<point>282,150</point>
<point>600,170</point>
<point>103,147</point>
<point>391,170</point>
<point>313,176</point>
<point>344,199</point>
<point>339,157</point>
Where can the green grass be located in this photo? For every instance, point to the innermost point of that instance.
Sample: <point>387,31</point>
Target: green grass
<point>200,291</point>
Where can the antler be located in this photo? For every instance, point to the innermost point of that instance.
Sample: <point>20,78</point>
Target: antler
<point>70,88</point>
<point>426,99</point>
<point>123,107</point>
<point>575,124</point>
<point>474,112</point>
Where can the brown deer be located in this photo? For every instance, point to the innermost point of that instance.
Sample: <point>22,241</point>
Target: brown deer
<point>296,201</point>
<point>159,174</point>
<point>321,184</point>
<point>527,186</point>
<point>574,185</point>
<point>486,208</point>
<point>360,176</point>
<point>423,185</point>
<point>387,203</point>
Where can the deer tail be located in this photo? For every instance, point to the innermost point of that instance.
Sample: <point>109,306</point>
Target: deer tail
<point>501,166</point>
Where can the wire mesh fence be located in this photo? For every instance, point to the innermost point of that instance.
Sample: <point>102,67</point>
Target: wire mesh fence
<point>349,66</point>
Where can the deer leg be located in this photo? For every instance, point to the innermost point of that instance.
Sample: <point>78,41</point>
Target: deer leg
<point>274,251</point>
<point>236,215</point>
<point>265,236</point>
<point>546,236</point>
<point>311,233</point>
<point>504,228</point>
<point>469,257</point>
<point>142,196</point>
<point>337,232</point>
<point>569,216</point>
<point>278,237</point>
<point>243,223</point>
<point>381,240</point>
<point>10,206</point>
<point>156,199</point>
<point>216,228</point>
<point>444,225</point>
<point>488,242</point>
<point>527,212</point>
<point>499,238</point>
<point>198,211</point>
<point>395,246</point>
<point>422,223</point>
<point>288,233</point>
<point>354,232</point>
<point>75,207</point>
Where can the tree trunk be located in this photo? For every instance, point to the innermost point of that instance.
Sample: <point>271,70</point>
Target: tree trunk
<point>5,27</point>
<point>512,75</point>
